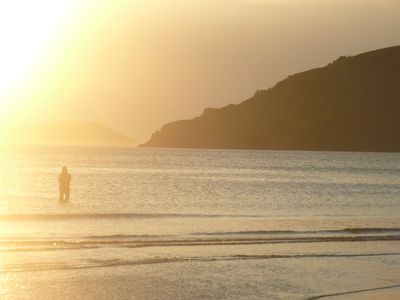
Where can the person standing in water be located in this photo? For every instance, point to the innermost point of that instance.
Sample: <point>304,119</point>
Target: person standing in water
<point>64,179</point>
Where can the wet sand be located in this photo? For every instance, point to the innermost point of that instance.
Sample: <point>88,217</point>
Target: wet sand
<point>386,293</point>
<point>207,272</point>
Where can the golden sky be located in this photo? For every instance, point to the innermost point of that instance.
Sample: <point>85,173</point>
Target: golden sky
<point>136,64</point>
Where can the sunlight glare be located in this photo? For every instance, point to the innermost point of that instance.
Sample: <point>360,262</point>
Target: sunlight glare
<point>26,29</point>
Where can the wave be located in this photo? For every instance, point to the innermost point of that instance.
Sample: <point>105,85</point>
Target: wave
<point>51,217</point>
<point>137,241</point>
<point>98,263</point>
<point>371,230</point>
<point>366,230</point>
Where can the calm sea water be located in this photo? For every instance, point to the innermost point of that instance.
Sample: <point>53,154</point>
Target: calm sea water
<point>132,208</point>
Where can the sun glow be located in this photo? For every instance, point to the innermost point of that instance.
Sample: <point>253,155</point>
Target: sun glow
<point>27,29</point>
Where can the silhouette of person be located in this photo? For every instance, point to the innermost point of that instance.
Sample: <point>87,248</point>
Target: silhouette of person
<point>64,179</point>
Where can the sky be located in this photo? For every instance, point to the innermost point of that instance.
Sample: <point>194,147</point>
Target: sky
<point>135,65</point>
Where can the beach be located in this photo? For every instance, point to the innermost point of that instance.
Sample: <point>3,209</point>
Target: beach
<point>195,274</point>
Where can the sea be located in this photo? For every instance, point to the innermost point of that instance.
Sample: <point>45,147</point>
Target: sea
<point>198,224</point>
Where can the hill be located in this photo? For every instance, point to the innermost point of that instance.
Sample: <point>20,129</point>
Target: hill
<point>351,104</point>
<point>64,133</point>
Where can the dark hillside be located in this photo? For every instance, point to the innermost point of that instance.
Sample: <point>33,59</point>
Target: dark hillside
<point>351,104</point>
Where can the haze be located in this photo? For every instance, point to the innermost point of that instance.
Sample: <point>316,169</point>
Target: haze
<point>135,65</point>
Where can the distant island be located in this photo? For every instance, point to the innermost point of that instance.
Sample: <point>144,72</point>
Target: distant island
<point>352,104</point>
<point>64,133</point>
